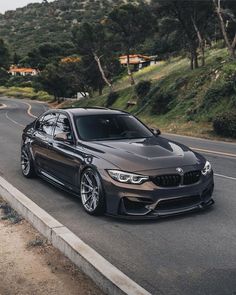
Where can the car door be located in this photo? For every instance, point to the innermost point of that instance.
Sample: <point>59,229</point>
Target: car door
<point>64,158</point>
<point>42,138</point>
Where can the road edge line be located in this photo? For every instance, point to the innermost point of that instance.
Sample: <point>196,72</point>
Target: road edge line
<point>214,152</point>
<point>201,138</point>
<point>103,273</point>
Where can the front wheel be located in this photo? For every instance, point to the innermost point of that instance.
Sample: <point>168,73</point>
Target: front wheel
<point>27,166</point>
<point>91,192</point>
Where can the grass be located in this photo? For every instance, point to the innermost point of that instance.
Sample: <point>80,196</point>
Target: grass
<point>25,92</point>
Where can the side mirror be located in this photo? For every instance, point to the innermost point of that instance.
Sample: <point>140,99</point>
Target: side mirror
<point>156,132</point>
<point>63,136</point>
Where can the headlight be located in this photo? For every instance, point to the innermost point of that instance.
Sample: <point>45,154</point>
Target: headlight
<point>125,177</point>
<point>207,168</point>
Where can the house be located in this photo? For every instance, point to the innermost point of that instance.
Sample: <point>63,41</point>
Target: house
<point>138,61</point>
<point>15,71</point>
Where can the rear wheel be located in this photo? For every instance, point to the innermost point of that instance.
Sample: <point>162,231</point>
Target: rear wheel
<point>27,166</point>
<point>91,192</point>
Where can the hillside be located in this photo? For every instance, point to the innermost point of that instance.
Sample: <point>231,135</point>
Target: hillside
<point>27,27</point>
<point>180,101</point>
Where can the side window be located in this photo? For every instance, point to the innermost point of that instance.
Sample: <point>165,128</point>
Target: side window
<point>63,126</point>
<point>48,123</point>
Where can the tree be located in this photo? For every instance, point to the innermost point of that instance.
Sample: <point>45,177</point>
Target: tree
<point>16,58</point>
<point>4,55</point>
<point>91,41</point>
<point>4,77</point>
<point>201,14</point>
<point>131,25</point>
<point>76,78</point>
<point>69,77</point>
<point>54,81</point>
<point>225,15</point>
<point>191,20</point>
<point>48,53</point>
<point>92,74</point>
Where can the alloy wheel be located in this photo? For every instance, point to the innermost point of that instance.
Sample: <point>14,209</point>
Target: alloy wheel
<point>89,191</point>
<point>25,162</point>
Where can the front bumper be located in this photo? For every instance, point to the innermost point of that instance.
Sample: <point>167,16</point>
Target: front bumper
<point>148,201</point>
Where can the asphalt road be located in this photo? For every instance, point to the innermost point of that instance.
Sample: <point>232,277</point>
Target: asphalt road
<point>192,254</point>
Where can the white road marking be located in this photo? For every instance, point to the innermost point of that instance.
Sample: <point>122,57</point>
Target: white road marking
<point>3,106</point>
<point>199,138</point>
<point>214,152</point>
<point>29,109</point>
<point>28,112</point>
<point>13,121</point>
<point>224,176</point>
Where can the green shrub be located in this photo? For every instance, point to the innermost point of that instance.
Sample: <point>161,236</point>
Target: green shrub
<point>142,89</point>
<point>26,84</point>
<point>217,91</point>
<point>161,103</point>
<point>111,99</point>
<point>20,81</point>
<point>177,84</point>
<point>225,124</point>
<point>201,80</point>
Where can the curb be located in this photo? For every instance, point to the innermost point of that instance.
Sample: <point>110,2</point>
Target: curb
<point>103,273</point>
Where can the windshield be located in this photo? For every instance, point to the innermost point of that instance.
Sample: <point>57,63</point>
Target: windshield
<point>110,127</point>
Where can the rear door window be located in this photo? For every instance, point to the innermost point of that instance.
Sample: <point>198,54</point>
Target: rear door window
<point>63,126</point>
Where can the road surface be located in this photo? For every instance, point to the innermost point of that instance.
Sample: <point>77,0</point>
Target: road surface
<point>192,254</point>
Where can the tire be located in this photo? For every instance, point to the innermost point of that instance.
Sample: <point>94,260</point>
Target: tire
<point>91,192</point>
<point>27,165</point>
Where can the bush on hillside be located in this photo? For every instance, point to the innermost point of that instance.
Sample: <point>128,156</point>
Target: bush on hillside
<point>161,103</point>
<point>142,89</point>
<point>225,124</point>
<point>111,99</point>
<point>178,83</point>
<point>26,84</point>
<point>217,91</point>
<point>19,81</point>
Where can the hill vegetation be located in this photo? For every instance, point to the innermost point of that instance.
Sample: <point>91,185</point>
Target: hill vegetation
<point>29,27</point>
<point>180,100</point>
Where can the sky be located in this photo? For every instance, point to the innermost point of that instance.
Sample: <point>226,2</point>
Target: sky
<point>13,4</point>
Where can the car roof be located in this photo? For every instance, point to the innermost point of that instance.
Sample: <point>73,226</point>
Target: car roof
<point>90,111</point>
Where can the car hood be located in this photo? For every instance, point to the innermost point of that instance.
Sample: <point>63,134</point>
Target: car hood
<point>138,155</point>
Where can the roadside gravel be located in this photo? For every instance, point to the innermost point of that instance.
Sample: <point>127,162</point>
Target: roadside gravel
<point>30,265</point>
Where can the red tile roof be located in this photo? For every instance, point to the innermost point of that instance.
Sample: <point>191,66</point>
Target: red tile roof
<point>22,70</point>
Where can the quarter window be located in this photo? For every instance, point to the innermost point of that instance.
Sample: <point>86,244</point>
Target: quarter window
<point>48,123</point>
